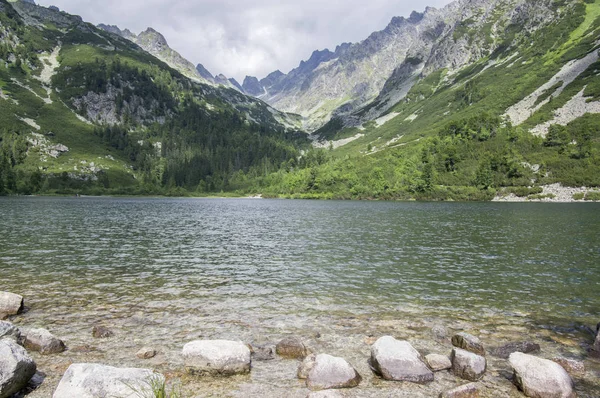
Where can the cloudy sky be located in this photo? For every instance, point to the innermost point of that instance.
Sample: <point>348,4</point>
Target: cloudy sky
<point>247,37</point>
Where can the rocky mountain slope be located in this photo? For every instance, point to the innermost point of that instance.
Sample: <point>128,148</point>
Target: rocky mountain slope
<point>388,63</point>
<point>82,108</point>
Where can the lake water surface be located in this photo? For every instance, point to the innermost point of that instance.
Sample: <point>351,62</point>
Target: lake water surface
<point>162,272</point>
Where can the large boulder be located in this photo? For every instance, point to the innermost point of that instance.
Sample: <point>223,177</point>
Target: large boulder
<point>540,378</point>
<point>9,331</point>
<point>468,342</point>
<point>217,357</point>
<point>89,380</point>
<point>397,360</point>
<point>470,390</point>
<point>525,347</point>
<point>16,368</point>
<point>438,362</point>
<point>10,303</point>
<point>43,341</point>
<point>325,372</point>
<point>291,347</point>
<point>467,365</point>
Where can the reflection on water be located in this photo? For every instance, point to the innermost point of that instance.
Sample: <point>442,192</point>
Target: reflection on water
<point>163,271</point>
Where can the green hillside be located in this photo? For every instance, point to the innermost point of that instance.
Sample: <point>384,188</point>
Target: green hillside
<point>113,119</point>
<point>451,138</point>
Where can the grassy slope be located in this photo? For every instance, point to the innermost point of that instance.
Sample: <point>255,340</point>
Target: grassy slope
<point>354,172</point>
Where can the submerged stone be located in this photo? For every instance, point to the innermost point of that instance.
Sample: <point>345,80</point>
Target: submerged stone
<point>291,347</point>
<point>525,347</point>
<point>43,341</point>
<point>327,372</point>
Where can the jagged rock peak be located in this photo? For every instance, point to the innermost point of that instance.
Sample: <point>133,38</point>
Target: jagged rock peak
<point>252,86</point>
<point>204,72</point>
<point>157,36</point>
<point>236,84</point>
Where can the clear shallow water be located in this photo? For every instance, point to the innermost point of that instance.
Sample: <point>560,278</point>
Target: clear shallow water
<point>164,271</point>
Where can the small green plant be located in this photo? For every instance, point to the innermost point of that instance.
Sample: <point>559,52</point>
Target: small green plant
<point>541,196</point>
<point>578,196</point>
<point>157,387</point>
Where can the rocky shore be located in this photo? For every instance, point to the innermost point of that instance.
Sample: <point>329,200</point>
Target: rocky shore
<point>451,367</point>
<point>555,193</point>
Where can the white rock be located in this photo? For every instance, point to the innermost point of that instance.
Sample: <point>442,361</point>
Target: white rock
<point>10,303</point>
<point>438,362</point>
<point>16,368</point>
<point>540,378</point>
<point>88,380</point>
<point>43,341</point>
<point>468,365</point>
<point>217,357</point>
<point>398,360</point>
<point>331,372</point>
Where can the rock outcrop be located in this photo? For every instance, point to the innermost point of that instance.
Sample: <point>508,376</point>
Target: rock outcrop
<point>540,378</point>
<point>16,368</point>
<point>468,365</point>
<point>43,341</point>
<point>88,380</point>
<point>324,372</point>
<point>217,357</point>
<point>398,360</point>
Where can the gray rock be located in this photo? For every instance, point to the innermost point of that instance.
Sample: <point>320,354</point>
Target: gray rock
<point>306,365</point>
<point>327,372</point>
<point>399,361</point>
<point>10,303</point>
<point>525,347</point>
<point>439,332</point>
<point>470,390</point>
<point>468,365</point>
<point>262,353</point>
<point>102,332</point>
<point>597,341</point>
<point>146,353</point>
<point>572,366</point>
<point>540,378</point>
<point>88,380</point>
<point>16,368</point>
<point>291,347</point>
<point>9,331</point>
<point>217,357</point>
<point>325,394</point>
<point>468,342</point>
<point>43,341</point>
<point>438,362</point>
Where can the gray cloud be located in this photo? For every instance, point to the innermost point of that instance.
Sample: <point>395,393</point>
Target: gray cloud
<point>237,37</point>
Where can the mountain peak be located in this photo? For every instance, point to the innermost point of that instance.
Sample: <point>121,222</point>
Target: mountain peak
<point>204,72</point>
<point>157,37</point>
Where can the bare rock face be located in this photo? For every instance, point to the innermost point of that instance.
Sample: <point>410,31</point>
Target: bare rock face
<point>470,390</point>
<point>10,303</point>
<point>468,365</point>
<point>525,347</point>
<point>43,341</point>
<point>438,362</point>
<point>9,331</point>
<point>540,378</point>
<point>399,361</point>
<point>291,347</point>
<point>16,368</point>
<point>88,380</point>
<point>325,372</point>
<point>217,357</point>
<point>468,342</point>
